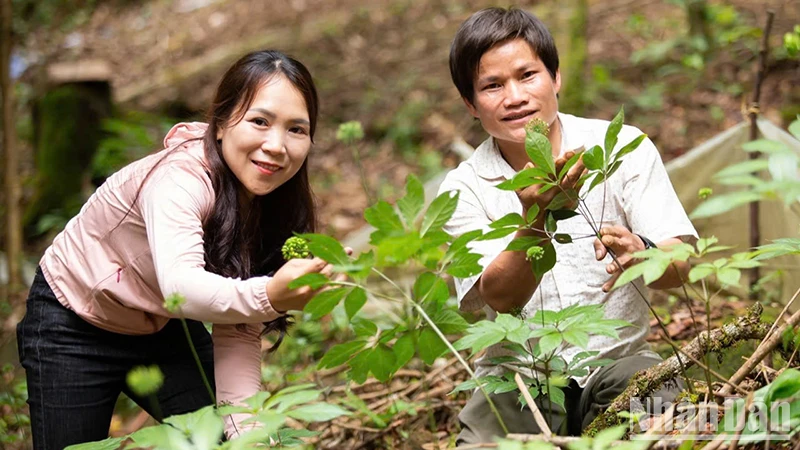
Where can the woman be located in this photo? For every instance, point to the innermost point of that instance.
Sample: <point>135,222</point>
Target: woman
<point>204,218</point>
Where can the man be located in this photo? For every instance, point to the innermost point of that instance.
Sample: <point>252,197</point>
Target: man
<point>505,66</point>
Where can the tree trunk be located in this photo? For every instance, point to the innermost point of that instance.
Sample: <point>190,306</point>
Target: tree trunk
<point>12,181</point>
<point>573,97</point>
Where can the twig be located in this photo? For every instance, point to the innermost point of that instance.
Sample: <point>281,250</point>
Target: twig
<point>780,316</point>
<point>766,346</point>
<point>537,415</point>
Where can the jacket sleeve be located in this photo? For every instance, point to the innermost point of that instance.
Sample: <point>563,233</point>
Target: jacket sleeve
<point>237,370</point>
<point>173,201</point>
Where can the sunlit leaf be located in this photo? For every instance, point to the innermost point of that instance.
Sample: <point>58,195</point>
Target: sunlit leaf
<point>539,150</point>
<point>324,302</point>
<point>613,132</point>
<point>450,322</point>
<point>411,204</point>
<point>430,345</point>
<point>439,212</point>
<point>319,412</point>
<point>723,203</point>
<point>549,342</point>
<point>326,247</point>
<point>593,158</point>
<point>340,353</point>
<point>354,301</point>
<point>313,280</point>
<point>511,219</point>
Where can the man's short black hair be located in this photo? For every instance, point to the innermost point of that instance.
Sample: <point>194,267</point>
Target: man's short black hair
<point>488,28</point>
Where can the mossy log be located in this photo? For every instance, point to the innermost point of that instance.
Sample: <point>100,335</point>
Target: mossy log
<point>67,132</point>
<point>648,381</point>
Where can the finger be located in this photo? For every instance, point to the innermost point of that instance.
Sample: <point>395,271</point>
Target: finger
<point>340,277</point>
<point>575,173</point>
<point>561,160</point>
<point>599,249</point>
<point>349,251</point>
<point>624,260</point>
<point>327,270</point>
<point>610,283</point>
<point>316,264</point>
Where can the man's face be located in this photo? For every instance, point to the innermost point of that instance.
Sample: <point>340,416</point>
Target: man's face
<point>512,87</point>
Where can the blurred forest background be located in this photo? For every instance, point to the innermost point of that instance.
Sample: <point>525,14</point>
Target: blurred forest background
<point>96,84</point>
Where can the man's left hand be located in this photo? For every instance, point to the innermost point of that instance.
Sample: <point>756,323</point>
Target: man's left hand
<point>623,243</point>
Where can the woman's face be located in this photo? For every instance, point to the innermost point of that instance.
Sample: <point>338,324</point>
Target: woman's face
<point>271,141</point>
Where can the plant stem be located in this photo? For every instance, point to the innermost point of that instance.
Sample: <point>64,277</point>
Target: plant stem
<point>197,360</point>
<point>694,321</point>
<point>450,347</point>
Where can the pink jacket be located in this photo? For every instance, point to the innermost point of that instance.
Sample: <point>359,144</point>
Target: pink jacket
<point>114,270</point>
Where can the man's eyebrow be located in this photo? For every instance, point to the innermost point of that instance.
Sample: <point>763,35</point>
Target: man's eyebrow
<point>271,115</point>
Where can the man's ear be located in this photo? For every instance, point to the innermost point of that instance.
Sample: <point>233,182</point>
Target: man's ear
<point>470,107</point>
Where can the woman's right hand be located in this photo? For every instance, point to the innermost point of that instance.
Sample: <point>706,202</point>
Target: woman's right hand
<point>284,299</point>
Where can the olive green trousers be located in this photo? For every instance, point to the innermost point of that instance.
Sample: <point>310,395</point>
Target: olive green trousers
<point>480,425</point>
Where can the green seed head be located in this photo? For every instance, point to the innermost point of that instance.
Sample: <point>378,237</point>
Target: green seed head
<point>145,381</point>
<point>294,248</point>
<point>350,132</point>
<point>538,125</point>
<point>535,253</point>
<point>173,302</point>
<point>704,193</point>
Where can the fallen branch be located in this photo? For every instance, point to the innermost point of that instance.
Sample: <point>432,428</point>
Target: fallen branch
<point>646,382</point>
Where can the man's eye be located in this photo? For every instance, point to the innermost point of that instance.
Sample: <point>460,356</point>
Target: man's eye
<point>528,74</point>
<point>298,130</point>
<point>491,86</point>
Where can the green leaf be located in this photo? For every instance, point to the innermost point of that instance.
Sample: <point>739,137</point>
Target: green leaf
<point>399,249</point>
<point>569,164</point>
<point>562,238</point>
<point>439,212</point>
<point>530,216</point>
<point>605,438</point>
<point>563,199</point>
<point>382,362</point>
<point>563,214</point>
<point>545,263</point>
<point>593,158</point>
<point>319,412</point>
<point>450,322</point>
<point>654,269</point>
<point>539,150</point>
<point>598,178</point>
<point>549,342</point>
<point>403,350</point>
<point>524,178</point>
<point>729,276</point>
<point>340,353</point>
<point>613,131</point>
<point>550,224</point>
<point>324,302</point>
<point>481,335</point>
<point>313,280</point>
<point>106,444</point>
<point>359,366</point>
<point>461,242</point>
<point>364,328</point>
<point>282,402</point>
<point>723,203</point>
<point>326,247</point>
<point>630,274</point>
<point>556,395</point>
<point>794,128</point>
<point>701,271</point>
<point>430,346</point>
<point>523,243</point>
<point>383,217</point>
<point>207,431</point>
<point>497,234</point>
<point>577,338</point>
<point>162,437</point>
<point>787,385</point>
<point>411,204</point>
<point>430,287</point>
<point>465,265</point>
<point>511,219</point>
<point>743,168</point>
<point>354,301</point>
<point>629,147</point>
<point>765,146</point>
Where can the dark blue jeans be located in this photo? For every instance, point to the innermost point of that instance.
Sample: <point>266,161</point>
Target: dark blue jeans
<point>76,371</point>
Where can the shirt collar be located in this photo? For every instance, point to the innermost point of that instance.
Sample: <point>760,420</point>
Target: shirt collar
<point>490,164</point>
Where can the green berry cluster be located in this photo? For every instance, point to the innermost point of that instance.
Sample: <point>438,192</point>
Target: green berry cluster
<point>145,381</point>
<point>535,253</point>
<point>350,132</point>
<point>704,193</point>
<point>294,248</point>
<point>537,125</point>
<point>173,302</point>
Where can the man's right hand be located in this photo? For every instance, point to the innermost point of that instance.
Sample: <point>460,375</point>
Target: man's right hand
<point>530,195</point>
<point>284,299</point>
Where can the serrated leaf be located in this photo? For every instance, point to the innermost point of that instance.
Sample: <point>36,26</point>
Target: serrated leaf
<point>630,274</point>
<point>324,302</point>
<point>313,280</point>
<point>480,335</point>
<point>364,328</point>
<point>403,350</point>
<point>354,301</point>
<point>430,345</point>
<point>163,437</point>
<point>383,216</point>
<point>593,158</point>
<point>549,342</point>
<point>359,366</point>
<point>556,395</point>
<point>340,353</point>
<point>399,249</point>
<point>414,200</point>
<point>700,271</point>
<point>539,150</point>
<point>382,362</point>
<point>462,241</point>
<point>430,287</point>
<point>729,276</point>
<point>465,265</point>
<point>319,412</point>
<point>439,212</point>
<point>654,269</point>
<point>326,247</point>
<point>284,402</point>
<point>450,322</point>
<point>577,338</point>
<point>106,444</point>
<point>612,132</point>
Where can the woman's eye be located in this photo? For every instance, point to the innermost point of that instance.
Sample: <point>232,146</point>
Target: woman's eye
<point>260,122</point>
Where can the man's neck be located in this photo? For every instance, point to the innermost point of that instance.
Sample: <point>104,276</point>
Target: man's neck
<point>514,152</point>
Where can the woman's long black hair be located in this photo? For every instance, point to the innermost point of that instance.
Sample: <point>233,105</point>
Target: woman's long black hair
<point>247,245</point>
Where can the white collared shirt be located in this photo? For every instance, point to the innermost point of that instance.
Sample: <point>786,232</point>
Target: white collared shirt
<point>638,196</point>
